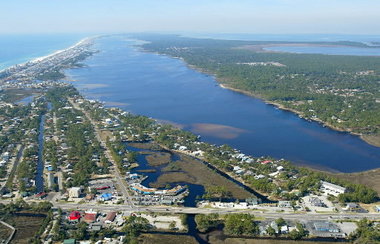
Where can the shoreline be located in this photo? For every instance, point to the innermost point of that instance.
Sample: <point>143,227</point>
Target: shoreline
<point>300,114</point>
<point>366,138</point>
<point>83,41</point>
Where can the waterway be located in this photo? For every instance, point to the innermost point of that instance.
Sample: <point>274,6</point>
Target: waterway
<point>167,89</point>
<point>195,190</point>
<point>40,163</point>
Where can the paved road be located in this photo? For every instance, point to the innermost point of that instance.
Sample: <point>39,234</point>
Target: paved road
<point>108,155</point>
<point>190,210</point>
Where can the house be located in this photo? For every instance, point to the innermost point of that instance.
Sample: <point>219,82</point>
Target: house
<point>74,216</point>
<point>69,241</point>
<point>377,208</point>
<point>110,217</point>
<point>266,162</point>
<point>258,177</point>
<point>90,217</point>
<point>284,229</point>
<point>90,197</point>
<point>352,207</point>
<point>331,189</point>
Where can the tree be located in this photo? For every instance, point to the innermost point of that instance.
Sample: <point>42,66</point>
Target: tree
<point>298,233</point>
<point>271,231</point>
<point>206,222</point>
<point>280,222</point>
<point>172,225</point>
<point>134,226</point>
<point>81,231</point>
<point>366,233</point>
<point>240,224</point>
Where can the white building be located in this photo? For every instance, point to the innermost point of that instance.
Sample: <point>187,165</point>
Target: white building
<point>332,189</point>
<point>74,192</point>
<point>50,180</point>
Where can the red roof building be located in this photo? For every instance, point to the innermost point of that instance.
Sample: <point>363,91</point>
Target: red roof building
<point>266,162</point>
<point>74,215</point>
<point>89,217</point>
<point>110,217</point>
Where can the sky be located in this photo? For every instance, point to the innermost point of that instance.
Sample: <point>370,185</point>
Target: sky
<point>208,16</point>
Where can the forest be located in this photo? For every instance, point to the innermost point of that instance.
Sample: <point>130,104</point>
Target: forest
<point>340,91</point>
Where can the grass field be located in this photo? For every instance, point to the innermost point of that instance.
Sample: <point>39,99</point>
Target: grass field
<point>24,231</point>
<point>193,171</point>
<point>159,158</point>
<point>260,241</point>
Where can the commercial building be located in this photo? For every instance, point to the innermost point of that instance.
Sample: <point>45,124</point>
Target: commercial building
<point>326,227</point>
<point>75,192</point>
<point>331,189</point>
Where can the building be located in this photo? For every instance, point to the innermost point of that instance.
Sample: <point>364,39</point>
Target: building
<point>377,208</point>
<point>284,229</point>
<point>74,216</point>
<point>284,204</point>
<point>316,202</point>
<point>332,189</point>
<point>353,207</point>
<point>326,227</point>
<point>90,217</point>
<point>106,197</point>
<point>50,180</point>
<point>69,241</point>
<point>75,192</point>
<point>110,217</point>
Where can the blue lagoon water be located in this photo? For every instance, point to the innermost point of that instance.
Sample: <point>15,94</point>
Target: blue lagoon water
<point>166,89</point>
<point>329,50</point>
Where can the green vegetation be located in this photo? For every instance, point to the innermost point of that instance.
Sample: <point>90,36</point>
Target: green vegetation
<point>207,222</point>
<point>298,233</point>
<point>234,224</point>
<point>79,137</point>
<point>240,225</point>
<point>133,227</point>
<point>366,233</point>
<point>220,192</point>
<point>341,91</point>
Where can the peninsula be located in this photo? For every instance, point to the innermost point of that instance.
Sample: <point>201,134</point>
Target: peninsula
<point>341,92</point>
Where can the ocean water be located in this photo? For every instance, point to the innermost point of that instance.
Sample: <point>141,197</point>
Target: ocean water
<point>166,89</point>
<point>17,49</point>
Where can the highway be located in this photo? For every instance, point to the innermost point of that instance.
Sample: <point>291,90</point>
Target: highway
<point>193,210</point>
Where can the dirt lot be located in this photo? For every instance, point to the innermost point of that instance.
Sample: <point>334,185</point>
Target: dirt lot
<point>165,239</point>
<point>193,171</point>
